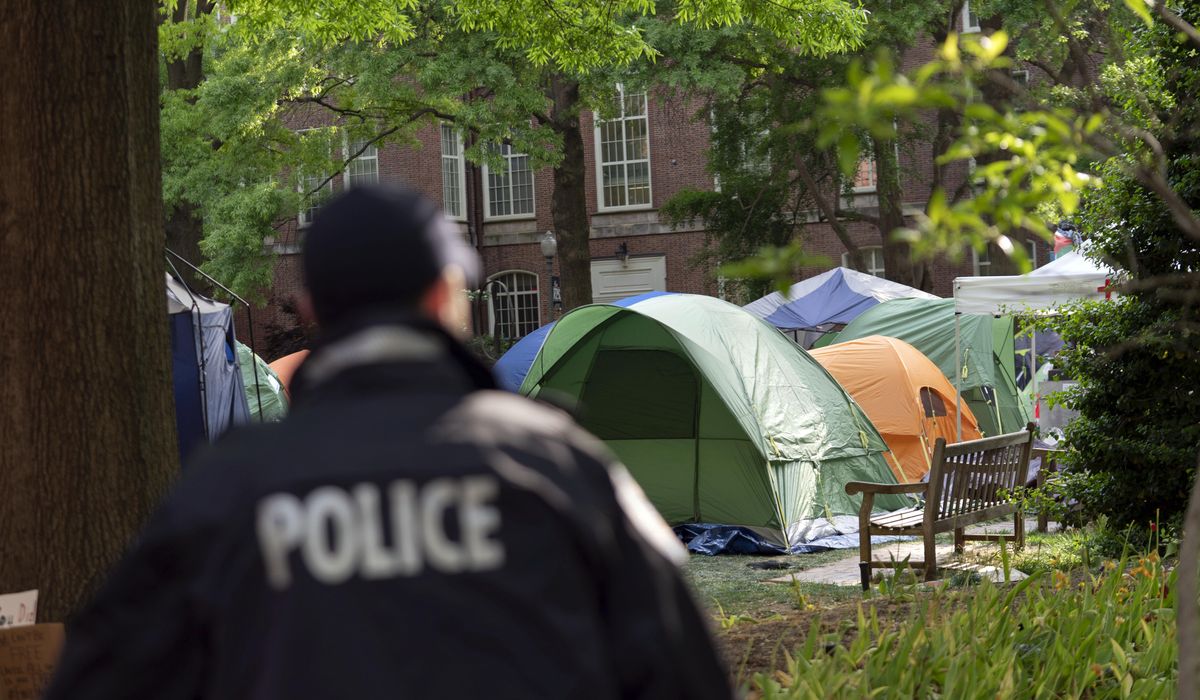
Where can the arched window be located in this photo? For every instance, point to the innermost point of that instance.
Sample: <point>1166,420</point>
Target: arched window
<point>514,306</point>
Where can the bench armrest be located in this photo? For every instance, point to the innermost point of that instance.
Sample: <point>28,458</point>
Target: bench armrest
<point>854,487</point>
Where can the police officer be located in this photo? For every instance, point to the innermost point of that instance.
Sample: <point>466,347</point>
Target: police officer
<point>407,531</point>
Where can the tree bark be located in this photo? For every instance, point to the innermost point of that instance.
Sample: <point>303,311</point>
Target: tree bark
<point>86,409</point>
<point>185,227</point>
<point>898,262</point>
<point>572,226</point>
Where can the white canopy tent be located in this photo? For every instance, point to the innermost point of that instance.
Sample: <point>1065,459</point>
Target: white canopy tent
<point>1069,278</point>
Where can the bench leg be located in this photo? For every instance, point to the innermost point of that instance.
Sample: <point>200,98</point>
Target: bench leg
<point>864,542</point>
<point>931,567</point>
<point>1019,531</point>
<point>960,540</point>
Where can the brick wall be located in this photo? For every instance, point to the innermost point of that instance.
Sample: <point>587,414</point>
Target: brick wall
<point>678,159</point>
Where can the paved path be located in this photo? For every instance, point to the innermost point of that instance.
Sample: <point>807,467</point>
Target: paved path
<point>845,572</point>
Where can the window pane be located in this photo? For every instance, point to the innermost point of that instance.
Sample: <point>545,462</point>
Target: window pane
<point>623,149</point>
<point>638,175</point>
<point>614,185</point>
<point>635,105</point>
<point>637,145</point>
<point>499,203</point>
<point>865,176</point>
<point>449,141</point>
<point>510,192</point>
<point>515,307</point>
<point>611,142</point>
<point>364,169</point>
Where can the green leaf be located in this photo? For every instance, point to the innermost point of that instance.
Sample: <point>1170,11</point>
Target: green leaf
<point>1141,9</point>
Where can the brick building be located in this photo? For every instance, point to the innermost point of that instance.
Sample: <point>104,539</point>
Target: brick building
<point>648,153</point>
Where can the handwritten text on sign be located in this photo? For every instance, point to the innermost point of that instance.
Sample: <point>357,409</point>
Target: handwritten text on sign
<point>27,659</point>
<point>18,609</point>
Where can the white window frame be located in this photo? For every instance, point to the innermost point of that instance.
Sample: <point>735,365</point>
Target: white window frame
<point>460,170</point>
<point>346,184</point>
<point>487,189</point>
<point>979,264</point>
<point>870,158</point>
<point>1033,246</point>
<point>968,21</point>
<point>536,294</point>
<point>597,122</point>
<point>869,252</point>
<point>303,218</point>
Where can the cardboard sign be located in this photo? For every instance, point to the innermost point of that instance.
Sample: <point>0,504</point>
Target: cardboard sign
<point>18,609</point>
<point>27,659</point>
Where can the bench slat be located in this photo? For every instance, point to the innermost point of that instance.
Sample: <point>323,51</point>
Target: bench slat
<point>967,485</point>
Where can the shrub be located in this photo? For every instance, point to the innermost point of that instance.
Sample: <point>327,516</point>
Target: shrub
<point>1109,635</point>
<point>1135,442</point>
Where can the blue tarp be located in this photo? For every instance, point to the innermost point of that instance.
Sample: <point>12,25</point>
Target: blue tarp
<point>706,538</point>
<point>511,368</point>
<point>832,302</point>
<point>835,297</point>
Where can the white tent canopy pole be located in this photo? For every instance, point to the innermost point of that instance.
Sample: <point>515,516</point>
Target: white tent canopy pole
<point>958,373</point>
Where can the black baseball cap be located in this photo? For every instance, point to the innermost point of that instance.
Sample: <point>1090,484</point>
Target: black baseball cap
<point>378,246</point>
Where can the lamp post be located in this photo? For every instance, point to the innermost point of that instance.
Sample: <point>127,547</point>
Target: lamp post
<point>549,249</point>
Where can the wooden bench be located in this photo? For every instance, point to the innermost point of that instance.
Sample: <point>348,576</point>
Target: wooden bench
<point>968,484</point>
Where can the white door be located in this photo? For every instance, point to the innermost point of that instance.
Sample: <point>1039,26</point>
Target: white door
<point>612,280</point>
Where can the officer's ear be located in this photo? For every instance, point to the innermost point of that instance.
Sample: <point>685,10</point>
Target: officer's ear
<point>446,302</point>
<point>305,309</point>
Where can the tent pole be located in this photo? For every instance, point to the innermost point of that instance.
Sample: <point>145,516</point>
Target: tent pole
<point>198,332</point>
<point>249,317</point>
<point>958,374</point>
<point>1037,399</point>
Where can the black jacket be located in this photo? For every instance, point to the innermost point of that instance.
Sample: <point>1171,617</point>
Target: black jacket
<point>405,532</point>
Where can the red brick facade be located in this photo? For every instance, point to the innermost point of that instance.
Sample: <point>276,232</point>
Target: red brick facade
<point>678,143</point>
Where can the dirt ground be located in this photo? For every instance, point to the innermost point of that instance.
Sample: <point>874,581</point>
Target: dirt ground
<point>762,646</point>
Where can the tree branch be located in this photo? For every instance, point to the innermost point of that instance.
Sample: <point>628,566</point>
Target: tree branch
<point>831,215</point>
<point>1177,23</point>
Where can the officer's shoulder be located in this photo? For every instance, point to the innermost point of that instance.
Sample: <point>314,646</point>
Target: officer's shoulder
<point>507,410</point>
<point>501,416</point>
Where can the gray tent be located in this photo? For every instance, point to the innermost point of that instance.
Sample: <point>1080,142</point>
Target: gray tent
<point>209,394</point>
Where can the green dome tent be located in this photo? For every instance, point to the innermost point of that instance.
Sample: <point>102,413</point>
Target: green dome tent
<point>985,362</point>
<point>719,417</point>
<point>264,392</point>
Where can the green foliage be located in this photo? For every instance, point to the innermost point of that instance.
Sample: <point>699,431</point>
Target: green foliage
<point>1108,636</point>
<point>1137,436</point>
<point>1137,359</point>
<point>575,36</point>
<point>763,99</point>
<point>1032,158</point>
<point>382,71</point>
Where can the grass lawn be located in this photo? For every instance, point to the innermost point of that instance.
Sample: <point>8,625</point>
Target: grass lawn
<point>729,583</point>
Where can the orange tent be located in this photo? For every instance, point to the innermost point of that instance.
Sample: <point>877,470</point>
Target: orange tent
<point>904,394</point>
<point>285,368</point>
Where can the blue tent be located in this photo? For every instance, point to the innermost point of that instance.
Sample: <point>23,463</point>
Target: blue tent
<point>511,368</point>
<point>834,297</point>
<point>209,395</point>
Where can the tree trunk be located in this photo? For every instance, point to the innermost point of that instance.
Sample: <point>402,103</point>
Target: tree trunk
<point>185,227</point>
<point>86,410</point>
<point>829,211</point>
<point>572,226</point>
<point>898,262</point>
